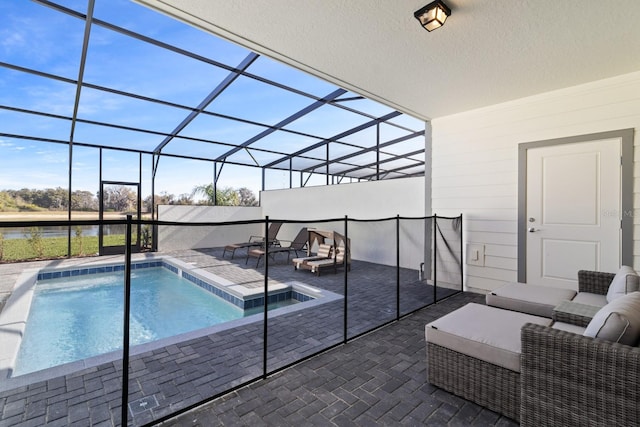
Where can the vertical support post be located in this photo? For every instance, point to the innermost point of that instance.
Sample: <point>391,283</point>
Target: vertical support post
<point>265,334</point>
<point>398,267</point>
<point>377,151</point>
<point>69,197</point>
<point>327,171</point>
<point>125,335</point>
<point>153,187</point>
<point>139,201</point>
<point>435,257</point>
<point>215,183</point>
<point>100,207</point>
<point>290,173</point>
<point>154,227</point>
<point>345,260</point>
<point>264,179</point>
<point>461,264</point>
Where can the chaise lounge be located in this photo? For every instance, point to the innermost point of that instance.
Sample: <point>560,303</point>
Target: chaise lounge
<point>298,244</point>
<point>329,256</point>
<point>540,371</point>
<point>325,252</point>
<point>340,256</point>
<point>255,241</point>
<point>595,290</point>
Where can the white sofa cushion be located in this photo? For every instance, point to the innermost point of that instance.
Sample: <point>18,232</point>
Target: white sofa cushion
<point>618,321</point>
<point>624,282</point>
<point>486,333</point>
<point>533,299</point>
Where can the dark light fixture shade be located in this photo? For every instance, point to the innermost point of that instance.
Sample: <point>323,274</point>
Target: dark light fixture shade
<point>433,15</point>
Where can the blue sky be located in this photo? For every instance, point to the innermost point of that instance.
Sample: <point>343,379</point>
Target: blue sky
<point>39,38</point>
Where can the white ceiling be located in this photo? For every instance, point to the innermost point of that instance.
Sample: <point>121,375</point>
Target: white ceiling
<point>489,51</point>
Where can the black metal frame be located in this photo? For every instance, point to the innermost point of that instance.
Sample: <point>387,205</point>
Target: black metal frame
<point>284,161</point>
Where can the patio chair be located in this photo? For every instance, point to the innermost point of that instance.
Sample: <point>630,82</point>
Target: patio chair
<point>342,251</point>
<point>325,251</point>
<point>299,243</point>
<point>540,372</point>
<point>270,240</point>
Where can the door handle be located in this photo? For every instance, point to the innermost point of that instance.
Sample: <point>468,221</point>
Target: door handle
<point>532,230</point>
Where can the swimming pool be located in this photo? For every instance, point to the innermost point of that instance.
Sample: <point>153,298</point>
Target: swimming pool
<point>76,314</point>
<point>79,317</point>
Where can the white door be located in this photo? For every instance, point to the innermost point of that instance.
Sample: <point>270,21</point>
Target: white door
<point>573,211</point>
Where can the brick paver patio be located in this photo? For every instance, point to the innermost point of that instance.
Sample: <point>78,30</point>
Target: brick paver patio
<point>378,379</point>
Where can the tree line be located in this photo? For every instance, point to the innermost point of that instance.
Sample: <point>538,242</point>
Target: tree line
<point>118,198</point>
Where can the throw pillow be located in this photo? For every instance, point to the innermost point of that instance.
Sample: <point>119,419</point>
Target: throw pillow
<point>618,321</point>
<point>625,281</point>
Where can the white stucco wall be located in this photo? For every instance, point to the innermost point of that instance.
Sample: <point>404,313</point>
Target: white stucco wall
<point>475,162</point>
<point>184,237</point>
<point>362,200</point>
<point>370,241</point>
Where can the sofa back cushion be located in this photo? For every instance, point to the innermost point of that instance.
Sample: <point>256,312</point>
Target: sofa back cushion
<point>625,281</point>
<point>618,321</point>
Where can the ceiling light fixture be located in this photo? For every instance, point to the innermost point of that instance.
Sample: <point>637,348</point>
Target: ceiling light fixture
<point>433,15</point>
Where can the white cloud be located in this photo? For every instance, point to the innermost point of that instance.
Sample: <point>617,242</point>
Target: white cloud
<point>11,40</point>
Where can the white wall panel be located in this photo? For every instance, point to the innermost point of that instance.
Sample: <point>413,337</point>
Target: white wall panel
<point>477,179</point>
<point>503,238</point>
<point>363,200</point>
<point>475,158</point>
<point>370,241</point>
<point>506,251</point>
<point>185,237</point>
<point>494,226</point>
<point>491,273</point>
<point>373,242</point>
<point>501,263</point>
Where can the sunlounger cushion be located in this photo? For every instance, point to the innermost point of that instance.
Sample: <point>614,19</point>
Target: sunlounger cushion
<point>486,333</point>
<point>324,252</point>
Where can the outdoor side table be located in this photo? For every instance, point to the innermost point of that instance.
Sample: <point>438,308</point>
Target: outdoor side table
<point>575,313</point>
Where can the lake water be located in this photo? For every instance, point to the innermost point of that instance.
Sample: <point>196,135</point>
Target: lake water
<point>59,231</point>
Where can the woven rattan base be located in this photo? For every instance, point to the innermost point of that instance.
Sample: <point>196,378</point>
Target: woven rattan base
<point>572,380</point>
<point>484,383</point>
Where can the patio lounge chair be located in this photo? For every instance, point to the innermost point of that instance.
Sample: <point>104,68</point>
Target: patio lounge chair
<point>595,290</point>
<point>325,252</point>
<point>299,243</point>
<point>254,241</point>
<point>342,248</point>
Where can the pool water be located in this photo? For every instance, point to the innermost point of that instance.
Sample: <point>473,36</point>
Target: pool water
<point>74,318</point>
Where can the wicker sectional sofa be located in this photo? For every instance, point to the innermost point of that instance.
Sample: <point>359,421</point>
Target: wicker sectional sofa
<point>563,377</point>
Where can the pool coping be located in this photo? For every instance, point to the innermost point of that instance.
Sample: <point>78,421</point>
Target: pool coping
<point>14,316</point>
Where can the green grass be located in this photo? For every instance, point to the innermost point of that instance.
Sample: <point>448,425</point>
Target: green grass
<point>53,247</point>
